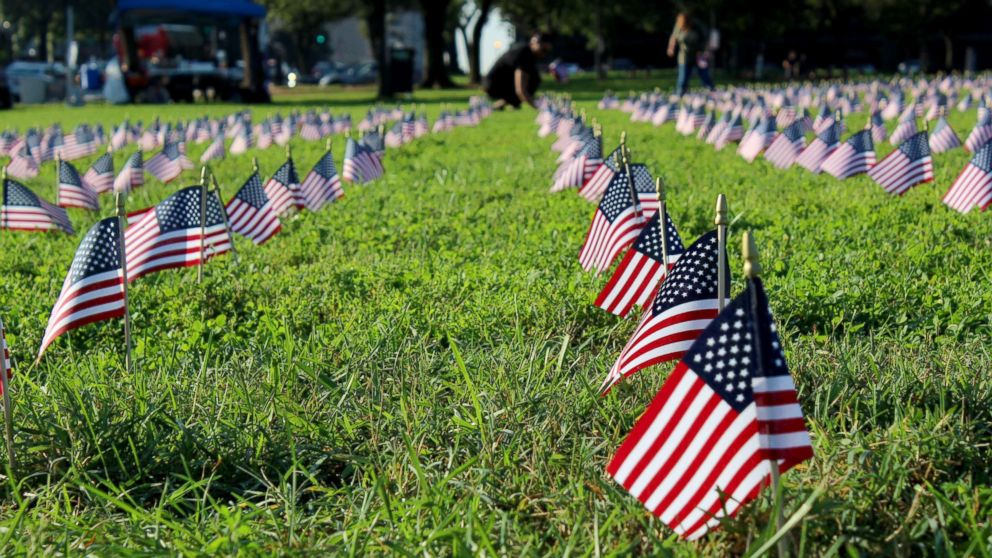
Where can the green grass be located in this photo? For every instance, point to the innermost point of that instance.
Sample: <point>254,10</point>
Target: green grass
<point>413,370</point>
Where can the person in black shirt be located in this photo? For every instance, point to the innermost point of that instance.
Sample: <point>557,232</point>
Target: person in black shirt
<point>514,78</point>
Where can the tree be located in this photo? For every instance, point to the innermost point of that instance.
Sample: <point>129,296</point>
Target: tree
<point>435,14</point>
<point>472,20</point>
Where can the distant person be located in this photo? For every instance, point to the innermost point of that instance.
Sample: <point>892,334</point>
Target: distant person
<point>691,40</point>
<point>513,79</point>
<point>792,65</point>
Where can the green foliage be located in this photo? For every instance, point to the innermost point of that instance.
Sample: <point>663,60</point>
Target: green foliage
<point>413,370</point>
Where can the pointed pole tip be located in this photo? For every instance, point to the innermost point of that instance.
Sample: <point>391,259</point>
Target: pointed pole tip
<point>749,248</point>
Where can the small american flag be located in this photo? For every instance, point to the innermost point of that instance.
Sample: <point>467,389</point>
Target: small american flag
<point>685,304</point>
<point>981,133</point>
<point>636,278</point>
<point>250,212</point>
<point>973,186</point>
<point>596,184</point>
<point>574,172</point>
<point>132,175</point>
<point>786,146</point>
<point>168,235</point>
<point>241,143</point>
<point>855,156</point>
<point>701,450</point>
<point>757,139</point>
<point>213,151</point>
<point>732,132</point>
<point>905,167</point>
<point>24,211</point>
<point>93,290</point>
<point>878,131</point>
<point>822,146</point>
<point>943,137</point>
<point>624,210</point>
<point>73,191</point>
<point>23,164</point>
<point>166,165</point>
<point>284,189</point>
<point>322,184</point>
<point>903,131</point>
<point>100,176</point>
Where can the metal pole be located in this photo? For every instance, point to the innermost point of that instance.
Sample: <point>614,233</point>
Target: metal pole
<point>630,184</point>
<point>121,223</point>
<point>721,235</point>
<point>8,411</point>
<point>203,222</point>
<point>662,222</point>
<point>752,268</point>
<point>223,214</point>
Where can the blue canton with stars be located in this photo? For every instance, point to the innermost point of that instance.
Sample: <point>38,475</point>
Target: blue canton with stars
<point>831,135</point>
<point>861,142</point>
<point>694,276</point>
<point>286,174</point>
<point>99,252</point>
<point>617,198</point>
<point>252,192</point>
<point>68,175</point>
<point>649,241</point>
<point>726,354</point>
<point>182,210</point>
<point>17,194</point>
<point>643,181</point>
<point>793,132</point>
<point>325,167</point>
<point>103,165</point>
<point>983,158</point>
<point>916,147</point>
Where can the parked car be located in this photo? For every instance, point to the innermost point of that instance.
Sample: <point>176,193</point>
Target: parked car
<point>354,74</point>
<point>20,69</point>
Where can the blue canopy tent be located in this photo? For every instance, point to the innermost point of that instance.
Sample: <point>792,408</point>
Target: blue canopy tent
<point>241,18</point>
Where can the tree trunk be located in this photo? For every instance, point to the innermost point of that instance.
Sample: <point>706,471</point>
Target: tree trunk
<point>435,17</point>
<point>600,46</point>
<point>948,52</point>
<point>475,47</point>
<point>377,36</point>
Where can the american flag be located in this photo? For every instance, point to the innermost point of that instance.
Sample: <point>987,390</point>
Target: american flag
<point>311,128</point>
<point>93,290</point>
<point>732,132</point>
<point>574,172</point>
<point>284,189</point>
<point>264,135</point>
<point>73,191</point>
<point>23,210</point>
<point>168,235</point>
<point>786,146</point>
<point>321,185</point>
<point>78,144</point>
<point>241,143</point>
<point>596,184</point>
<point>973,186</point>
<point>636,278</point>
<point>166,165</point>
<point>757,139</point>
<point>120,137</point>
<point>250,212</point>
<point>213,151</point>
<point>905,167</point>
<point>394,137</point>
<point>702,448</point>
<point>878,131</point>
<point>903,131</point>
<point>981,133</point>
<point>855,156</point>
<point>132,175</point>
<point>707,125</point>
<point>625,209</point>
<point>685,304</point>
<point>23,164</point>
<point>822,146</point>
<point>943,137</point>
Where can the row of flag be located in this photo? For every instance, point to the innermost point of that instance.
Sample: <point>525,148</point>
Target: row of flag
<point>188,228</point>
<point>775,122</point>
<point>727,419</point>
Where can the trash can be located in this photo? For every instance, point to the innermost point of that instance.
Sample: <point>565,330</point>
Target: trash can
<point>400,72</point>
<point>33,89</point>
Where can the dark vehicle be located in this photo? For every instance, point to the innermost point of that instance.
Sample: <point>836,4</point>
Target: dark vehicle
<point>170,48</point>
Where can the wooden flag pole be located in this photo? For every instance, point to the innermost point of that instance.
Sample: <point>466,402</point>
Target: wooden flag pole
<point>630,184</point>
<point>721,235</point>
<point>752,268</point>
<point>121,198</point>
<point>659,185</point>
<point>254,164</point>
<point>223,214</point>
<point>203,222</point>
<point>8,411</point>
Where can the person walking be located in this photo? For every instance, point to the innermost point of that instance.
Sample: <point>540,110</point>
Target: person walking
<point>691,41</point>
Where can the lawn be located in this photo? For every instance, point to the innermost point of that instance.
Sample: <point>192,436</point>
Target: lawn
<point>414,369</point>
